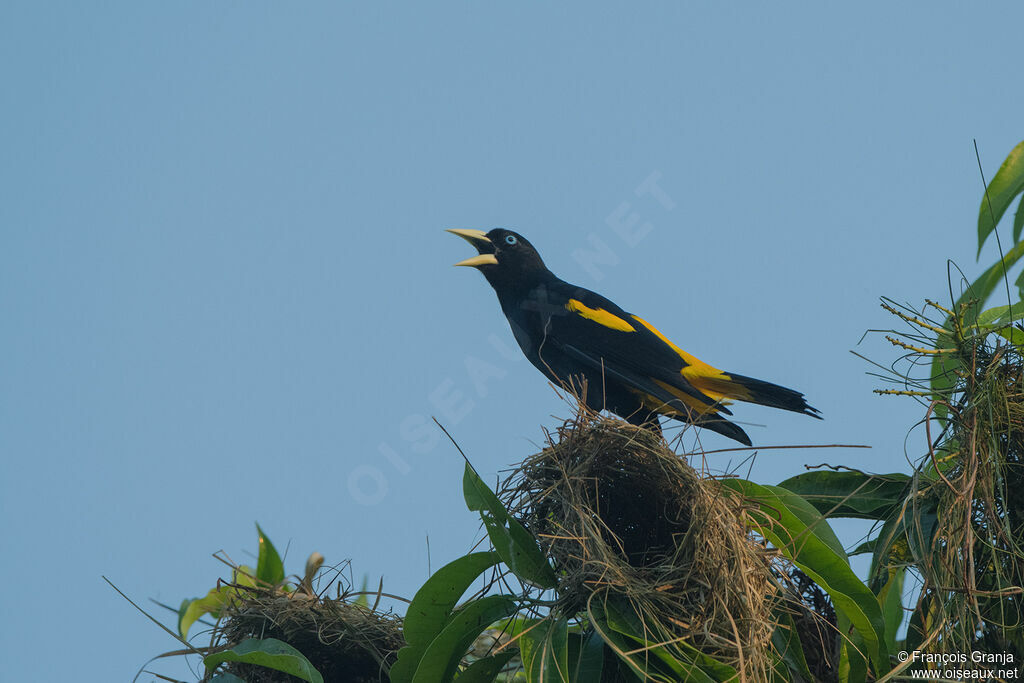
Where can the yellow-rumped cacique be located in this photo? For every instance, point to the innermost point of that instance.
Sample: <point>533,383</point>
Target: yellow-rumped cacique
<point>578,339</point>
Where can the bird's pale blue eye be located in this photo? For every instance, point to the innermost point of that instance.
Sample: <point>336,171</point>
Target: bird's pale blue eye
<point>511,239</point>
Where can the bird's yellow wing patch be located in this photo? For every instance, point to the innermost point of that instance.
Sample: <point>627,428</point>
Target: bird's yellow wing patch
<point>600,316</point>
<point>692,402</point>
<point>691,361</point>
<point>707,379</point>
<point>693,408</point>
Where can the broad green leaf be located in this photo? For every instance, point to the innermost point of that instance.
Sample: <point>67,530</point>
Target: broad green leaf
<point>1018,221</point>
<point>269,567</point>
<point>226,678</point>
<point>586,657</point>
<point>919,526</point>
<point>1012,334</point>
<point>1006,184</point>
<point>1001,319</point>
<point>867,546</point>
<point>644,664</point>
<point>853,668</point>
<point>244,575</point>
<point>881,546</point>
<point>485,670</point>
<point>682,659</point>
<point>515,545</point>
<point>270,653</point>
<point>1000,315</point>
<point>432,606</point>
<point>811,546</point>
<point>944,365</point>
<point>545,649</point>
<point>436,599</point>
<point>890,599</point>
<point>212,603</point>
<point>444,653</point>
<point>810,517</point>
<point>850,494</point>
<point>786,642</point>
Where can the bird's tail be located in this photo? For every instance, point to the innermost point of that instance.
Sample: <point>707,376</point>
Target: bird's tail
<point>752,390</point>
<point>723,427</point>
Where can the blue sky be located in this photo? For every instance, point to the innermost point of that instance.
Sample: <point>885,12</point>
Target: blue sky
<point>227,296</point>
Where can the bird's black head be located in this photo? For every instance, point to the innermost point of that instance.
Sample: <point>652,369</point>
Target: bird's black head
<point>505,258</point>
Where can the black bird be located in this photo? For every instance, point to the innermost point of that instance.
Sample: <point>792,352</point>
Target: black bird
<point>578,339</point>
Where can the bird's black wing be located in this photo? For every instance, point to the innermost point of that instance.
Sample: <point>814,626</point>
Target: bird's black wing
<point>599,329</point>
<point>596,332</point>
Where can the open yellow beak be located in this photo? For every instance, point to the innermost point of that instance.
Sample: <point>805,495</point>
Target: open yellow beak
<point>478,238</point>
<point>479,260</point>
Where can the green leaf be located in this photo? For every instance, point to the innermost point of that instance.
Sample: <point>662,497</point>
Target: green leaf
<point>212,603</point>
<point>987,282</point>
<point>515,545</point>
<point>270,653</point>
<point>269,567</point>
<point>853,668</point>
<point>1007,183</point>
<point>881,546</point>
<point>850,494</point>
<point>890,599</point>
<point>810,517</point>
<point>944,364</point>
<point>1018,221</point>
<point>683,659</point>
<point>786,642</point>
<point>919,526</point>
<point>215,600</point>
<point>434,601</point>
<point>811,545</point>
<point>867,546</point>
<point>244,575</point>
<point>432,606</point>
<point>1012,334</point>
<point>226,678</point>
<point>444,653</point>
<point>644,664</point>
<point>1000,316</point>
<point>485,670</point>
<point>545,649</point>
<point>586,657</point>
<point>363,600</point>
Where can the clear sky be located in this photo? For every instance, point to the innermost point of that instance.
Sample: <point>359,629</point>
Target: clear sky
<point>226,296</point>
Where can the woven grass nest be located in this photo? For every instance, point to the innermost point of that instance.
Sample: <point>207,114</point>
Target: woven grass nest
<point>979,537</point>
<point>627,520</point>
<point>344,641</point>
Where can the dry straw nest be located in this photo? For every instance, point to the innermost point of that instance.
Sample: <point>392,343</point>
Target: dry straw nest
<point>979,535</point>
<point>965,511</point>
<point>343,640</point>
<point>627,520</point>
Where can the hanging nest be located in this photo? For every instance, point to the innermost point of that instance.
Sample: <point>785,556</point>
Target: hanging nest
<point>978,545</point>
<point>627,522</point>
<point>343,640</point>
<point>967,535</point>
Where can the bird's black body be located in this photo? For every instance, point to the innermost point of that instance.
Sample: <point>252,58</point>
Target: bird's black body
<point>614,359</point>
